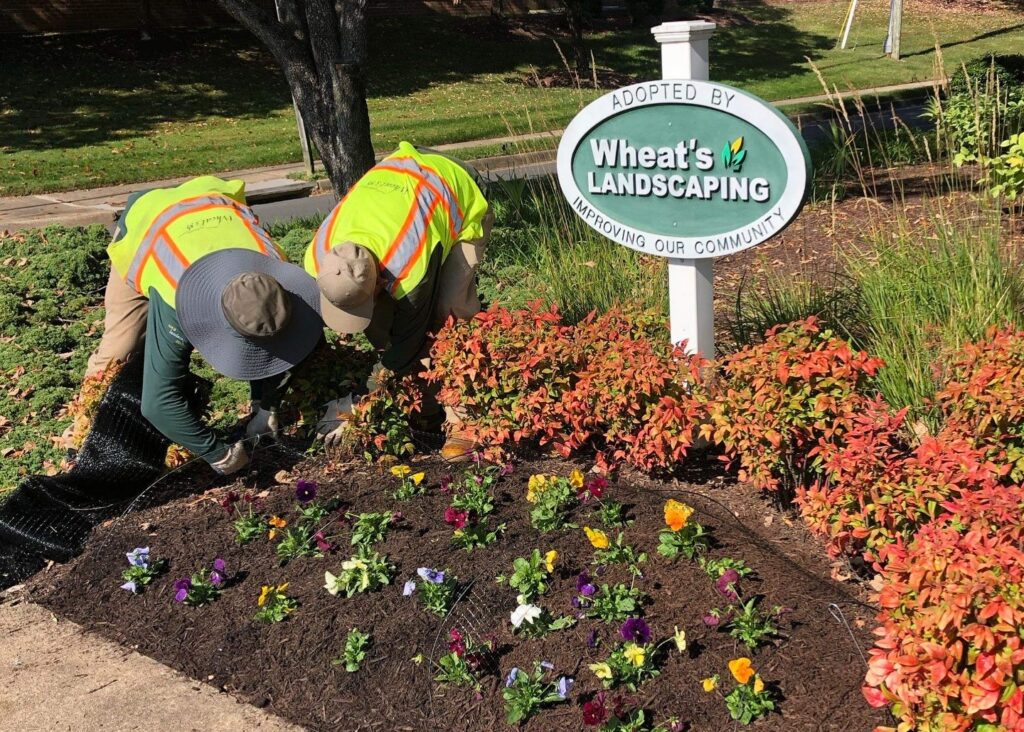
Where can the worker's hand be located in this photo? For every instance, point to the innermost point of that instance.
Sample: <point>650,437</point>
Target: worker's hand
<point>335,422</point>
<point>231,460</point>
<point>262,423</point>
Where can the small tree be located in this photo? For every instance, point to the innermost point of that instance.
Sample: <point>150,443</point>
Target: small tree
<point>321,48</point>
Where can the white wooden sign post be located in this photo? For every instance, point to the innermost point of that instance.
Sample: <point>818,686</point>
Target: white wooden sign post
<point>686,169</point>
<point>684,55</point>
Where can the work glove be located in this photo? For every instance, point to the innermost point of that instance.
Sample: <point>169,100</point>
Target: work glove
<point>263,422</point>
<point>231,460</point>
<point>335,422</point>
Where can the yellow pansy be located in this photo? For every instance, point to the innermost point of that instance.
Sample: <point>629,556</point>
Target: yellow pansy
<point>680,639</point>
<point>741,669</point>
<point>549,560</point>
<point>400,471</point>
<point>601,670</point>
<point>264,593</point>
<point>576,479</point>
<point>634,654</point>
<point>418,478</point>
<point>758,684</point>
<point>598,539</point>
<point>710,683</point>
<point>537,485</point>
<point>277,522</point>
<point>282,588</point>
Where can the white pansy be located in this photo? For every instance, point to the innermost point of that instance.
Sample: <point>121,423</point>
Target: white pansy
<point>525,614</point>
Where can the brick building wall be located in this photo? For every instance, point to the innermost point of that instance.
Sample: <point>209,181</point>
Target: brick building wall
<point>68,16</point>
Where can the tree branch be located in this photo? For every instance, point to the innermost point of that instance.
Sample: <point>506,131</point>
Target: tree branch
<point>252,16</point>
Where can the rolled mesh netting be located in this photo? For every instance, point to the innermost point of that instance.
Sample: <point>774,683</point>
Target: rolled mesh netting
<point>49,517</point>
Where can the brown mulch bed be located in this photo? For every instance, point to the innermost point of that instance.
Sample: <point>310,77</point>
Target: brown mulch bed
<point>817,667</point>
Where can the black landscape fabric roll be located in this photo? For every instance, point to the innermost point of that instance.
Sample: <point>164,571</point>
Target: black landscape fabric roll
<point>51,516</point>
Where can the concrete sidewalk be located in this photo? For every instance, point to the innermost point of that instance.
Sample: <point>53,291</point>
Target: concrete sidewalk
<point>55,676</point>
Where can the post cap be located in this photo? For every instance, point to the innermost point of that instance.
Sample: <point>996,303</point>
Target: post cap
<point>683,31</point>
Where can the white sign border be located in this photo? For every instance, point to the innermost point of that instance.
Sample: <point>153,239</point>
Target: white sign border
<point>748,108</point>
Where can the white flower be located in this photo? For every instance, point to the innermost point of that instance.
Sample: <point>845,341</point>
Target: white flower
<point>350,564</point>
<point>331,583</point>
<point>525,613</point>
<point>521,599</point>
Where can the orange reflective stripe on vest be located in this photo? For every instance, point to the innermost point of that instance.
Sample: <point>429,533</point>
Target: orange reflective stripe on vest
<point>430,178</point>
<point>157,245</point>
<point>409,244</point>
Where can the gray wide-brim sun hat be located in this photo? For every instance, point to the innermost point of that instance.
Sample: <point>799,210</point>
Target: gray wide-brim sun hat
<point>202,318</point>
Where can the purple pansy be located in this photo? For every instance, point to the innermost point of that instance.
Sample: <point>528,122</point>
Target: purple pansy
<point>131,587</point>
<point>726,585</point>
<point>511,678</point>
<point>321,542</point>
<point>220,565</point>
<point>548,665</point>
<point>635,629</point>
<point>433,576</point>
<point>410,587</point>
<point>506,469</point>
<point>711,620</point>
<point>181,589</point>
<point>305,490</point>
<point>592,639</point>
<point>584,586</point>
<point>564,685</point>
<point>139,556</point>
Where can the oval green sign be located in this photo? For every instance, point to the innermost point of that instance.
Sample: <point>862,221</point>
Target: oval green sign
<point>683,169</point>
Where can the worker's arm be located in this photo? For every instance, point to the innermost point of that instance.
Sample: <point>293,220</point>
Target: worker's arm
<point>165,380</point>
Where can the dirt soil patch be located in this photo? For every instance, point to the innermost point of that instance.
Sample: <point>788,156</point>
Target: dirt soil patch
<point>286,667</point>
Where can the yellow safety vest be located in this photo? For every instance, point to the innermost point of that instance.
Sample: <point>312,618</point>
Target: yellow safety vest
<point>168,229</point>
<point>403,210</point>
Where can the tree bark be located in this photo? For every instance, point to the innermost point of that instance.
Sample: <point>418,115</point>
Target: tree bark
<point>580,52</point>
<point>321,46</point>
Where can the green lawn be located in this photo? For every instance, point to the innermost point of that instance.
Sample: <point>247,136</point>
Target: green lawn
<point>85,111</point>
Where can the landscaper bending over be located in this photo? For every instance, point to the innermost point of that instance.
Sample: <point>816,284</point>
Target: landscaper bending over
<point>396,258</point>
<point>192,268</point>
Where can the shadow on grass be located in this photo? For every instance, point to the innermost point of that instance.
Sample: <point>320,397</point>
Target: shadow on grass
<point>64,92</point>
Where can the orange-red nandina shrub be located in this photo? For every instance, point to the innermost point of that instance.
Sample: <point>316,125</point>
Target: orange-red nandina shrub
<point>949,654</point>
<point>983,398</point>
<point>505,371</point>
<point>871,453</point>
<point>873,502</point>
<point>780,397</point>
<point>635,398</point>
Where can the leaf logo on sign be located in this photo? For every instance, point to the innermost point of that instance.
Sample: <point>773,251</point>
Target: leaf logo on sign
<point>733,155</point>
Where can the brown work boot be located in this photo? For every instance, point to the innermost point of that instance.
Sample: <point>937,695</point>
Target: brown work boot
<point>458,448</point>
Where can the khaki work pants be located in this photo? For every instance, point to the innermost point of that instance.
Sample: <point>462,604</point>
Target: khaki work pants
<point>124,325</point>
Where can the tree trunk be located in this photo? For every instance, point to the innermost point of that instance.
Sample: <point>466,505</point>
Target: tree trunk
<point>580,52</point>
<point>321,48</point>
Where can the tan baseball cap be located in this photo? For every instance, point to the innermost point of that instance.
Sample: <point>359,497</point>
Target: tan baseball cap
<point>348,287</point>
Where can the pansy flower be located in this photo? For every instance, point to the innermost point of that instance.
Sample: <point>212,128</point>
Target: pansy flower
<point>598,539</point>
<point>434,576</point>
<point>635,629</point>
<point>677,514</point>
<point>305,490</point>
<point>741,669</point>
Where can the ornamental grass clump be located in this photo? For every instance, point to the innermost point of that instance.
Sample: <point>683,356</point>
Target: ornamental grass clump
<point>367,571</point>
<point>466,661</point>
<point>436,589</point>
<point>750,699</point>
<point>683,536</point>
<point>141,570</point>
<point>274,604</point>
<point>552,498</point>
<point>527,693</point>
<point>531,576</point>
<point>203,587</point>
